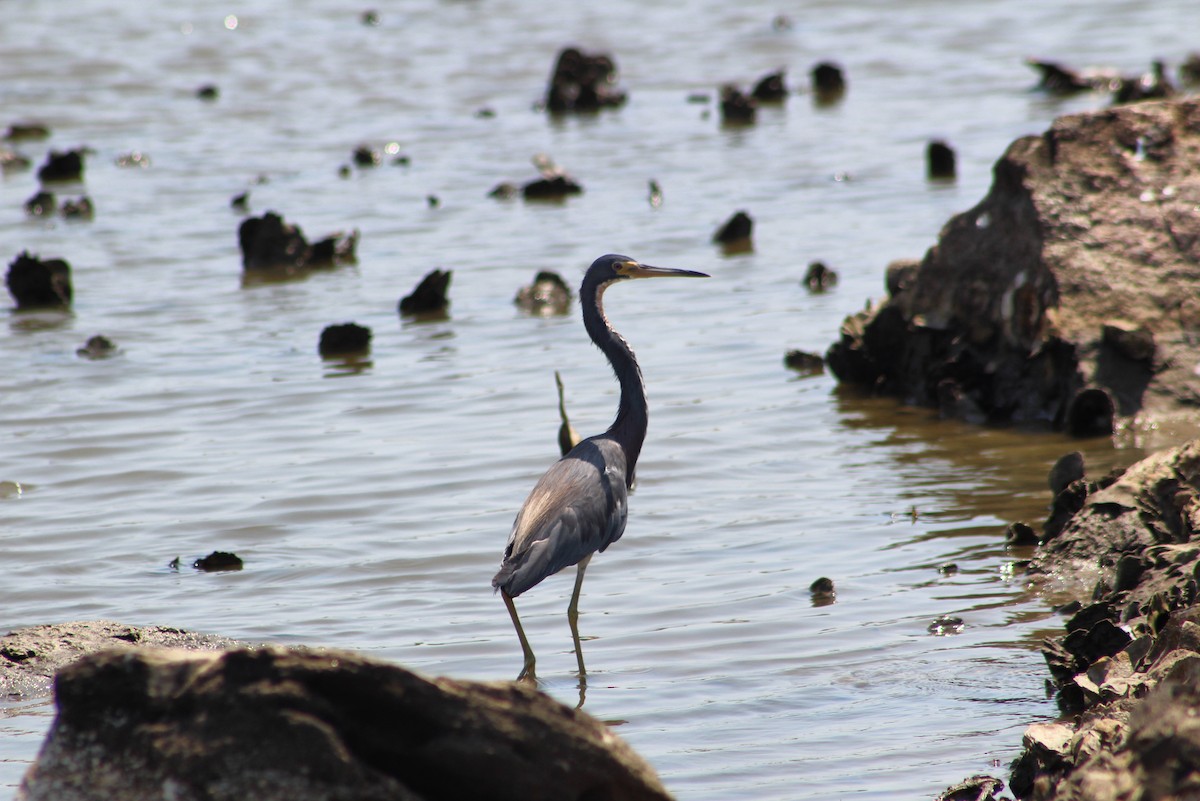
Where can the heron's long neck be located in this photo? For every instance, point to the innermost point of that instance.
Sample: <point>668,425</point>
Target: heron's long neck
<point>629,428</point>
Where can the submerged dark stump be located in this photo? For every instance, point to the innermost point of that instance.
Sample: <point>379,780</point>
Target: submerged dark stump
<point>430,296</point>
<point>344,339</point>
<point>62,166</point>
<point>547,295</point>
<point>583,82</point>
<point>736,231</point>
<point>35,283</point>
<point>270,244</point>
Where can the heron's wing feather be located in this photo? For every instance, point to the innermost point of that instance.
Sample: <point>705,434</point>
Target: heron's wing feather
<point>577,508</point>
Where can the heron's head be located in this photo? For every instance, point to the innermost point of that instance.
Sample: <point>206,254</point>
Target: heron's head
<point>612,267</point>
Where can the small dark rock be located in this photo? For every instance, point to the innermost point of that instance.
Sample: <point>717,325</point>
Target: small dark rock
<point>1067,469</point>
<point>62,166</point>
<point>828,82</point>
<point>11,160</point>
<point>133,159</point>
<point>208,92</point>
<point>1057,79</point>
<point>218,561</point>
<point>946,625</point>
<point>819,278</point>
<point>1065,505</point>
<point>555,188</point>
<point>1090,414</point>
<point>34,283</point>
<point>430,295</point>
<point>504,191</point>
<point>940,160</point>
<point>1020,535</point>
<point>804,362</point>
<point>26,131</point>
<point>656,194</point>
<point>433,201</point>
<point>343,339</point>
<point>270,244</point>
<point>736,230</point>
<point>737,108</point>
<point>770,88</point>
<point>547,295</point>
<point>976,788</point>
<point>365,156</point>
<point>41,204</point>
<point>97,347</point>
<point>81,208</point>
<point>822,591</point>
<point>948,569</point>
<point>240,202</point>
<point>583,82</point>
<point>369,17</point>
<point>1104,638</point>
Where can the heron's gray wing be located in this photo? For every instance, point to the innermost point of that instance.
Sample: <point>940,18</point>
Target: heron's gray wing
<point>577,508</point>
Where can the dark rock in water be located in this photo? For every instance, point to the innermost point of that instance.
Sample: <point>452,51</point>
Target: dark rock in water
<point>828,82</point>
<point>133,159</point>
<point>583,82</point>
<point>277,725</point>
<point>1020,535</point>
<point>819,278</point>
<point>218,561</point>
<point>12,161</point>
<point>656,194</point>
<point>1058,79</point>
<point>1067,470</point>
<point>26,131</point>
<point>1152,86</point>
<point>804,362</point>
<point>946,625</point>
<point>41,204</point>
<point>344,338</point>
<point>556,188</point>
<point>430,295</point>
<point>940,161</point>
<point>1012,302</point>
<point>822,592</point>
<point>365,156</point>
<point>35,283</point>
<point>80,208</point>
<point>504,191</point>
<point>976,788</point>
<point>62,166</point>
<point>770,88</point>
<point>370,17</point>
<point>240,202</point>
<point>736,230</point>
<point>208,92</point>
<point>97,347</point>
<point>547,295</point>
<point>737,108</point>
<point>270,244</point>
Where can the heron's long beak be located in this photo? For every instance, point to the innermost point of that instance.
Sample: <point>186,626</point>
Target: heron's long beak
<point>634,269</point>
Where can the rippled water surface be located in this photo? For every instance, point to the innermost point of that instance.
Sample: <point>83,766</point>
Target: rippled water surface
<point>371,502</point>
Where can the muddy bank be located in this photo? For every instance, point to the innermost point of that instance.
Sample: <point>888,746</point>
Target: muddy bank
<point>1070,294</point>
<point>273,723</point>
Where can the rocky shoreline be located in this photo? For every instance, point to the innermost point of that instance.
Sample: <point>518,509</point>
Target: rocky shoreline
<point>1069,296</point>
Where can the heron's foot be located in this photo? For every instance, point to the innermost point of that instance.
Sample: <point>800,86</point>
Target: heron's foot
<point>527,673</point>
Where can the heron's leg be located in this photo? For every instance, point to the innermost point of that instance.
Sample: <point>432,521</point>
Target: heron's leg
<point>527,671</point>
<point>573,614</point>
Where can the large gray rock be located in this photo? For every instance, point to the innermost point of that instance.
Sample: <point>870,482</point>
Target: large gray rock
<point>270,723</point>
<point>1069,294</point>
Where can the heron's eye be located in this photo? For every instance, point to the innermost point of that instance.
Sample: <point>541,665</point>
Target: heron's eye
<point>624,267</point>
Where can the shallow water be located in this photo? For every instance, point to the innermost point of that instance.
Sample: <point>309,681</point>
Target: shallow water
<point>371,503</point>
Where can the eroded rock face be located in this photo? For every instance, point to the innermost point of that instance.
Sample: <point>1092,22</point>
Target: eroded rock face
<point>1077,274</point>
<point>269,723</point>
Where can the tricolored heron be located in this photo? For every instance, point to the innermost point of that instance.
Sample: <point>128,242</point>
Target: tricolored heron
<point>579,505</point>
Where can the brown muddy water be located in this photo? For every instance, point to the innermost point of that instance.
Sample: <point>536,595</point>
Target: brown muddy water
<point>371,502</point>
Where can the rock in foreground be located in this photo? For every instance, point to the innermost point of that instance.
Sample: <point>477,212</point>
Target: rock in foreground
<point>275,724</point>
<point>1070,294</point>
